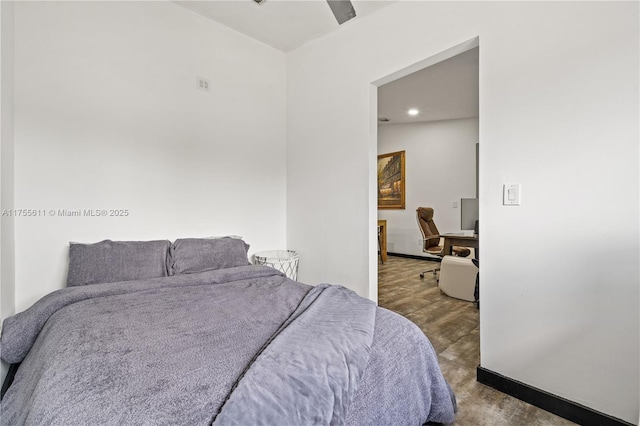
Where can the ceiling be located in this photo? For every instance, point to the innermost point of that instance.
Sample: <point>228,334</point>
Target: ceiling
<point>446,90</point>
<point>283,24</point>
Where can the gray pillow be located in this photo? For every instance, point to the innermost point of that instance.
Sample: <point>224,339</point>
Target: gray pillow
<point>189,255</point>
<point>112,261</point>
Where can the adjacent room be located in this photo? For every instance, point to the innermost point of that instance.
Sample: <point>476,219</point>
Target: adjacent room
<point>161,124</point>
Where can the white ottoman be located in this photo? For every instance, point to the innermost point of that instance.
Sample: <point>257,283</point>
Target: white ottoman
<point>458,277</point>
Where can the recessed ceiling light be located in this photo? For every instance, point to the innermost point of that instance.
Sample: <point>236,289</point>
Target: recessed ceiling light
<point>413,112</point>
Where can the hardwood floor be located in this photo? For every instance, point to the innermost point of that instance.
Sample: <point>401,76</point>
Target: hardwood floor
<point>452,325</point>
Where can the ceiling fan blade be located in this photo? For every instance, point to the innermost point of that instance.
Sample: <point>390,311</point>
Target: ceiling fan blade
<point>342,9</point>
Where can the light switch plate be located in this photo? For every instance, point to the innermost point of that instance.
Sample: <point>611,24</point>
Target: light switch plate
<point>511,194</point>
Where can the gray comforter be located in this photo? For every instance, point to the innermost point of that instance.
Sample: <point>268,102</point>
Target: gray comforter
<point>238,346</point>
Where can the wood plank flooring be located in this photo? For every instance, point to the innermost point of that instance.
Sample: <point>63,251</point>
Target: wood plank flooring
<point>452,325</point>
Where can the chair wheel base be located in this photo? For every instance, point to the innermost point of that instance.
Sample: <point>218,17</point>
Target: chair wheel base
<point>422,275</point>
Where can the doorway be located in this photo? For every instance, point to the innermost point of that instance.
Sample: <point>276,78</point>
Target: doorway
<point>438,140</point>
<point>430,112</point>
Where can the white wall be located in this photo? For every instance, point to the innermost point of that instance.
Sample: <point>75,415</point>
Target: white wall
<point>440,168</point>
<point>7,284</point>
<point>7,270</point>
<point>558,114</point>
<point>107,116</point>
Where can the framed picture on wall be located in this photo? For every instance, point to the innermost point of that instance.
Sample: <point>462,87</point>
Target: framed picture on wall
<point>391,180</point>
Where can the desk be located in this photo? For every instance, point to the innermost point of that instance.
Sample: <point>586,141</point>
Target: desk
<point>459,239</point>
<point>383,239</point>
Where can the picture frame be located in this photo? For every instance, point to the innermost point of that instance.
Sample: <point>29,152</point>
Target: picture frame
<point>391,180</point>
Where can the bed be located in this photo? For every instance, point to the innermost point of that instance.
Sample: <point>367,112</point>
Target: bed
<point>190,333</point>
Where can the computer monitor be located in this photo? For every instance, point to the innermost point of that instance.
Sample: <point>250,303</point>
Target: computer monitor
<point>468,213</point>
